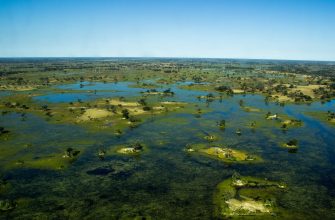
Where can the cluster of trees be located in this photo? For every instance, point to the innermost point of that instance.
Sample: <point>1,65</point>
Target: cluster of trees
<point>144,103</point>
<point>300,97</point>
<point>325,93</point>
<point>293,142</point>
<point>15,105</point>
<point>168,92</point>
<point>225,89</point>
<point>71,153</point>
<point>222,124</point>
<point>330,115</point>
<point>3,131</point>
<point>252,86</point>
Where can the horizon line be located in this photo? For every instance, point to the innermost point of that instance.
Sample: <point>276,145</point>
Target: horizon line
<point>165,57</point>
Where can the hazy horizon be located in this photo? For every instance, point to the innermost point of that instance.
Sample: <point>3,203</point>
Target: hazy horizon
<point>133,57</point>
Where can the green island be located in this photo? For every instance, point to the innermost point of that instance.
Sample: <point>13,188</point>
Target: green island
<point>223,153</point>
<point>246,196</point>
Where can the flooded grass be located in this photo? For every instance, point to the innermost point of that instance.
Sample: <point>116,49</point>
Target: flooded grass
<point>174,160</point>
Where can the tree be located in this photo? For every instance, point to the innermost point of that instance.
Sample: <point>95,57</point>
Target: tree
<point>147,108</point>
<point>71,153</point>
<point>125,113</point>
<point>222,124</point>
<point>293,142</point>
<point>142,102</point>
<point>3,130</point>
<point>168,92</point>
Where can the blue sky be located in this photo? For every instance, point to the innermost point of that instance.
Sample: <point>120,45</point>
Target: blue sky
<point>271,29</point>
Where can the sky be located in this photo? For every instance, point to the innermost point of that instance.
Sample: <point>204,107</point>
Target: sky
<point>257,29</point>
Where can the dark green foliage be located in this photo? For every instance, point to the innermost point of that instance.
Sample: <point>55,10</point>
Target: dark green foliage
<point>293,142</point>
<point>71,153</point>
<point>125,113</point>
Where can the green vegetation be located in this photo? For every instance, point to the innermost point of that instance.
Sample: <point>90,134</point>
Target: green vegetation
<point>108,137</point>
<point>246,196</point>
<point>327,117</point>
<point>132,149</point>
<point>224,154</point>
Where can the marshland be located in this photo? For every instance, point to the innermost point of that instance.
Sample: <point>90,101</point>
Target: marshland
<point>161,138</point>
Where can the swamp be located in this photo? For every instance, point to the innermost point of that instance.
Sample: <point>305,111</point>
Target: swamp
<point>166,138</point>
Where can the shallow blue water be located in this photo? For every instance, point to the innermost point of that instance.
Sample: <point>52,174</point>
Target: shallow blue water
<point>90,91</point>
<point>97,90</point>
